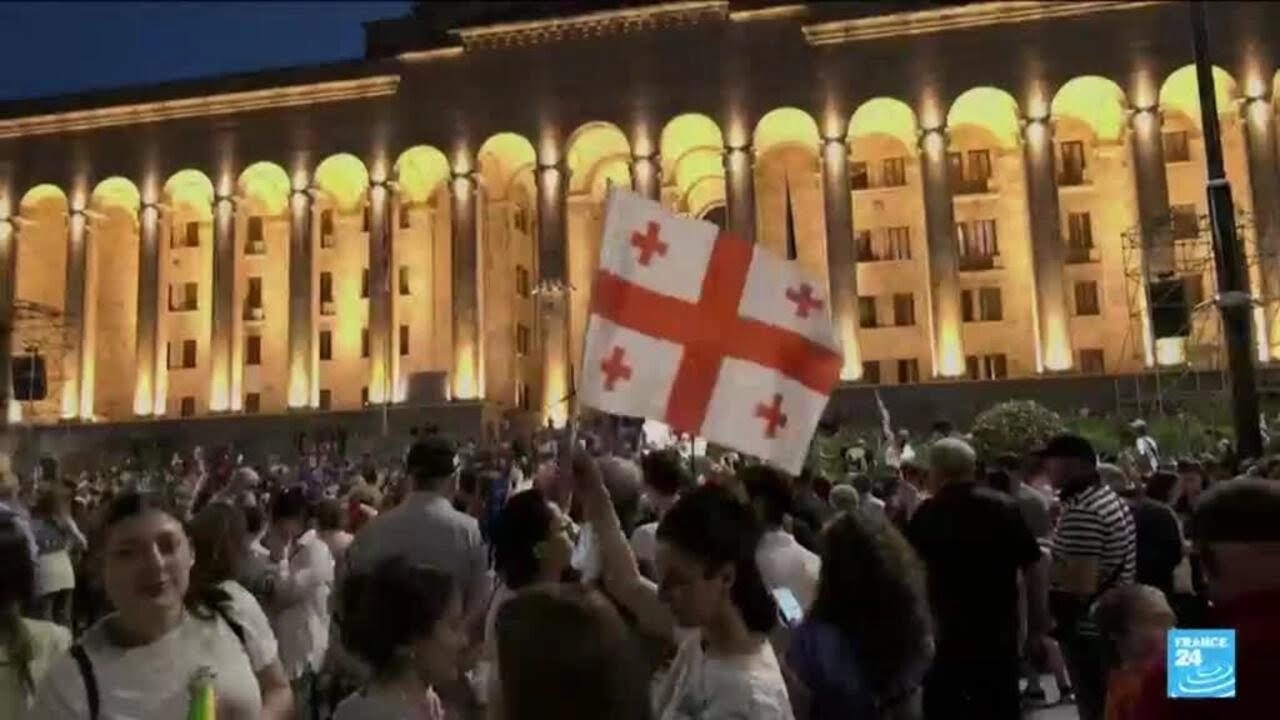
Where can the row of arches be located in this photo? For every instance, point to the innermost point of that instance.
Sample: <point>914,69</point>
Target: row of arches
<point>786,146</point>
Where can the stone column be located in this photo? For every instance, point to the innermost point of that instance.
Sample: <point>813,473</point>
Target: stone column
<point>8,295</point>
<point>1047,250</point>
<point>224,291</point>
<point>1152,186</point>
<point>381,336</point>
<point>77,224</point>
<point>553,286</point>
<point>1264,185</point>
<point>148,348</point>
<point>301,321</point>
<point>944,264</point>
<point>1151,183</point>
<point>740,184</point>
<point>646,176</point>
<point>466,297</point>
<point>842,261</point>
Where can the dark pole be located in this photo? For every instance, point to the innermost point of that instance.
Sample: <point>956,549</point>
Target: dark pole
<point>1234,300</point>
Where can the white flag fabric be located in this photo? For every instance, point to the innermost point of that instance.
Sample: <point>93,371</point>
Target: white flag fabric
<point>710,334</point>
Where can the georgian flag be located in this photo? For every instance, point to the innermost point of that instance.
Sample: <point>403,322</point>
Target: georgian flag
<point>710,334</point>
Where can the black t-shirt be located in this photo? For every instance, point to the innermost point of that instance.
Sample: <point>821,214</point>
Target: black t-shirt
<point>973,541</point>
<point>1159,542</point>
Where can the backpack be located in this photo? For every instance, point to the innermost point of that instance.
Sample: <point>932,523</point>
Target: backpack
<point>85,665</point>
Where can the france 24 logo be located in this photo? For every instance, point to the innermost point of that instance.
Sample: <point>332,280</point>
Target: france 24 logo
<point>1201,663</point>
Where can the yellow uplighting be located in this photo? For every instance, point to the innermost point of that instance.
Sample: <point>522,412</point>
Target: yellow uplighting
<point>1057,344</point>
<point>344,178</point>
<point>115,192</point>
<point>501,158</point>
<point>1180,92</point>
<point>419,171</point>
<point>40,195</point>
<point>1095,101</point>
<point>191,190</point>
<point>885,116</point>
<point>684,133</point>
<point>697,165</point>
<point>950,354</point>
<point>1171,351</point>
<point>785,126</point>
<point>299,387</point>
<point>465,384</point>
<point>591,145</point>
<point>705,194</point>
<point>989,108</point>
<point>268,185</point>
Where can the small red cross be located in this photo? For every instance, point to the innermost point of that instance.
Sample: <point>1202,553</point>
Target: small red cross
<point>649,244</point>
<point>772,415</point>
<point>804,299</point>
<point>614,368</point>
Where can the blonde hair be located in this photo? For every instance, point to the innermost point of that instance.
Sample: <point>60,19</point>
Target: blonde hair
<point>1120,606</point>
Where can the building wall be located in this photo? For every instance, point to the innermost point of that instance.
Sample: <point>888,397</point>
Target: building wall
<point>268,378</point>
<point>593,101</point>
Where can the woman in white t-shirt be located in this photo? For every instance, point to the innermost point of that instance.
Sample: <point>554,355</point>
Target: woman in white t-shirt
<point>141,660</point>
<point>710,586</point>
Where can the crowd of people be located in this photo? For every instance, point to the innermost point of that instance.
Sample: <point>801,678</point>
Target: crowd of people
<point>591,579</point>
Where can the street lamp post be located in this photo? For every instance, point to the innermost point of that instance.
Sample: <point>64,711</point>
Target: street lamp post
<point>1234,301</point>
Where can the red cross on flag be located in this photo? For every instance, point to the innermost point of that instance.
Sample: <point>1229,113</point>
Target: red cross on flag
<point>710,334</point>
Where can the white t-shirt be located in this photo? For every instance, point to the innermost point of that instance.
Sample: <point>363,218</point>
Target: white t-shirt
<point>153,681</point>
<point>259,639</point>
<point>644,543</point>
<point>785,563</point>
<point>703,687</point>
<point>364,705</point>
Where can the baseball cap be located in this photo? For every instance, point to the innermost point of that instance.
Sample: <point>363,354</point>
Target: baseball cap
<point>432,457</point>
<point>1068,446</point>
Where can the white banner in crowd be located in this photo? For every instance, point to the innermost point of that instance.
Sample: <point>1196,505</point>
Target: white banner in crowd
<point>712,335</point>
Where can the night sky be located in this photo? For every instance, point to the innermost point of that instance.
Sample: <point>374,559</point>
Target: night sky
<point>56,48</point>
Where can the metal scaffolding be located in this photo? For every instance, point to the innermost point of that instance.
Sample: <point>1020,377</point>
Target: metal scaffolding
<point>1179,248</point>
<point>42,331</point>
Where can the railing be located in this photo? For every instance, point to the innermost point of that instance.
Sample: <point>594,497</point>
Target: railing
<point>1081,254</point>
<point>326,307</point>
<point>254,313</point>
<point>255,247</point>
<point>971,186</point>
<point>975,262</point>
<point>1072,177</point>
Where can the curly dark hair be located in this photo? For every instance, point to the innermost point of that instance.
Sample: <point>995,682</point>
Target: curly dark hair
<point>872,587</point>
<point>715,527</point>
<point>391,606</point>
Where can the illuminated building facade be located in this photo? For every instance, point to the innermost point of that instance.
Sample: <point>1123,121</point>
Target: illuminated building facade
<point>990,190</point>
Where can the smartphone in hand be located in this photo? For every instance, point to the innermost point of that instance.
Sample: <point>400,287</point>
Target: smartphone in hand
<point>788,606</point>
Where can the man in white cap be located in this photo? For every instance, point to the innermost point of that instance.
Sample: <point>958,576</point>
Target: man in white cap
<point>1146,450</point>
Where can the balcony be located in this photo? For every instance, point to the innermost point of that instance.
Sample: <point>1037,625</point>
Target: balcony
<point>254,313</point>
<point>1184,226</point>
<point>1082,254</point>
<point>973,262</point>
<point>255,247</point>
<point>1072,177</point>
<point>328,308</point>
<point>971,186</point>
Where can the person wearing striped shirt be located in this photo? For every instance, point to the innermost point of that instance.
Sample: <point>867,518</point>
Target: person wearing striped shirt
<point>1094,548</point>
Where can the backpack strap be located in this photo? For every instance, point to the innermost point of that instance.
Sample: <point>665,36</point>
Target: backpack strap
<point>90,680</point>
<point>237,628</point>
